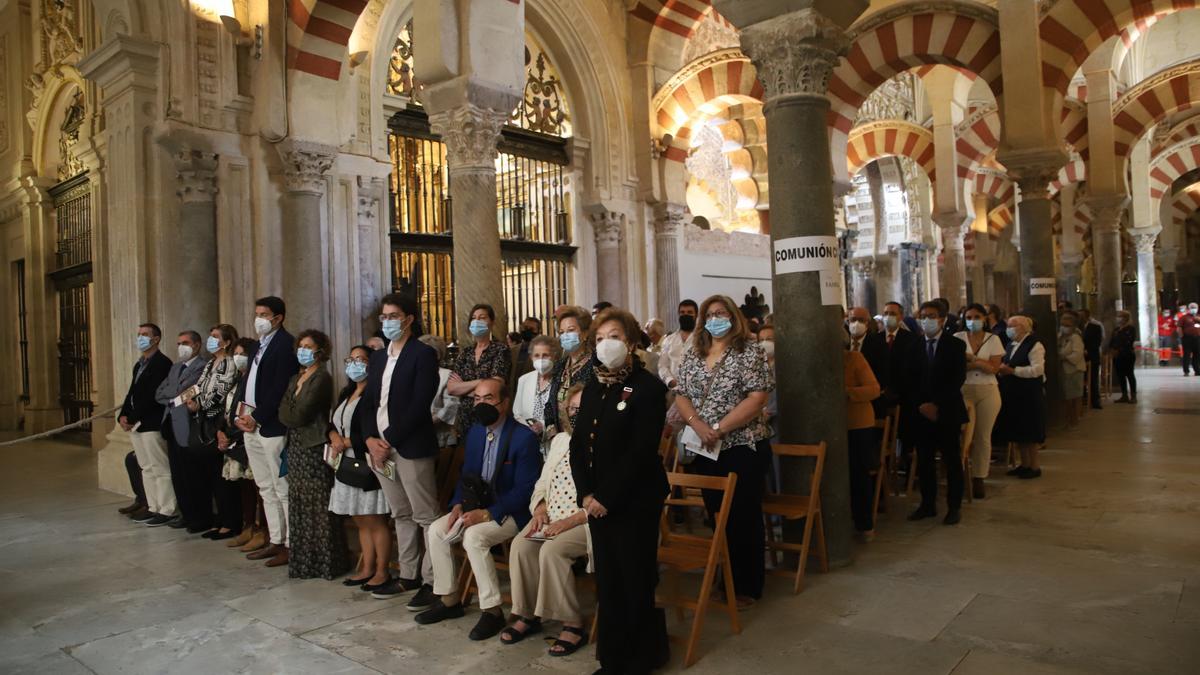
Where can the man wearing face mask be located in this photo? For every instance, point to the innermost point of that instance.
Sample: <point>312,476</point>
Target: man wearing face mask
<point>872,345</point>
<point>402,382</point>
<point>531,327</point>
<point>272,365</point>
<point>502,464</point>
<point>141,415</point>
<point>1166,336</point>
<point>935,369</point>
<point>181,377</point>
<point>674,345</point>
<point>897,341</point>
<point>1189,337</point>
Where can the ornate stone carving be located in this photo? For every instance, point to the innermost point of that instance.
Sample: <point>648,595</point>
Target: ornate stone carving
<point>401,81</point>
<point>893,100</point>
<point>795,53</point>
<point>197,175</point>
<point>1107,211</point>
<point>1034,172</point>
<point>543,107</point>
<point>305,164</point>
<point>710,35</point>
<point>609,228</point>
<point>669,219</point>
<point>719,242</point>
<point>369,188</point>
<point>953,233</point>
<point>470,134</point>
<point>1145,238</point>
<point>208,74</point>
<point>61,43</point>
<point>68,137</point>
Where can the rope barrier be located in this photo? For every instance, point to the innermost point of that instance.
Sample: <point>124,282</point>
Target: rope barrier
<point>65,427</point>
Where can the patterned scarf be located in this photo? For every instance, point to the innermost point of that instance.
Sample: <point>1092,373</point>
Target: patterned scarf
<point>608,377</point>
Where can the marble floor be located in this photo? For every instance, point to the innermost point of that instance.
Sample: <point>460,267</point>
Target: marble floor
<point>1095,568</point>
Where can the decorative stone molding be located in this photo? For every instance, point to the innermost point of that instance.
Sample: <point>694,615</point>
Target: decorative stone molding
<point>1145,238</point>
<point>669,219</point>
<point>470,133</point>
<point>719,242</point>
<point>864,267</point>
<point>609,228</point>
<point>954,229</point>
<point>1107,211</point>
<point>3,93</point>
<point>305,164</point>
<point>369,189</point>
<point>197,175</point>
<point>795,53</point>
<point>1033,171</point>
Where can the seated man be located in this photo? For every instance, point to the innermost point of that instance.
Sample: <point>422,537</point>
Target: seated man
<point>505,455</point>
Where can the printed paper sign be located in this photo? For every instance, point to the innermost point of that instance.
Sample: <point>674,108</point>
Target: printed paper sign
<point>831,287</point>
<point>806,254</point>
<point>1042,286</point>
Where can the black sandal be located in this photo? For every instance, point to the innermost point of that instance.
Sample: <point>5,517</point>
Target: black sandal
<point>511,636</point>
<point>569,648</point>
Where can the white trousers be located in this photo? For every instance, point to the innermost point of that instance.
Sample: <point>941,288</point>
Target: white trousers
<point>150,448</point>
<point>986,398</point>
<point>478,541</point>
<point>265,455</point>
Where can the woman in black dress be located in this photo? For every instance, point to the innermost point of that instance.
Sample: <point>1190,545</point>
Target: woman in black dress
<point>1022,418</point>
<point>620,481</point>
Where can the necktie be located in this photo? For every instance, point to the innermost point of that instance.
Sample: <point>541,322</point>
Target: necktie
<point>930,347</point>
<point>857,346</point>
<point>891,339</point>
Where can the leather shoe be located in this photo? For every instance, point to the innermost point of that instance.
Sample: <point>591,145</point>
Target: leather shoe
<point>126,510</point>
<point>1017,471</point>
<point>1031,473</point>
<point>258,541</point>
<point>977,489</point>
<point>217,535</point>
<point>265,552</point>
<point>488,626</point>
<point>440,612</point>
<point>922,513</point>
<point>243,538</point>
<point>177,523</point>
<point>953,516</point>
<point>280,559</point>
<point>141,517</point>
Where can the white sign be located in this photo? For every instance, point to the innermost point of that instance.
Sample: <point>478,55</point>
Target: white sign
<point>1042,286</point>
<point>831,287</point>
<point>806,254</point>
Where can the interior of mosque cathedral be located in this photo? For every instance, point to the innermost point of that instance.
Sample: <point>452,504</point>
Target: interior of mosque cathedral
<point>173,161</point>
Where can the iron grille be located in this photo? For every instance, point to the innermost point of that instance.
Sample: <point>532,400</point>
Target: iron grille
<point>73,222</point>
<point>74,350</point>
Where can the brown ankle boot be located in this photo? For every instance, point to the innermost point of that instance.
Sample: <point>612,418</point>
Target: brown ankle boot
<point>977,490</point>
<point>242,539</point>
<point>280,559</point>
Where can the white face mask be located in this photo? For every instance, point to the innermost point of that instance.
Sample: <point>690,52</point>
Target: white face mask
<point>858,329</point>
<point>612,353</point>
<point>543,366</point>
<point>185,352</point>
<point>262,326</point>
<point>768,346</point>
<point>241,361</point>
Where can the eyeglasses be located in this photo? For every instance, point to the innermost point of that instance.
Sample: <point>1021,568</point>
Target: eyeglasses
<point>718,314</point>
<point>394,316</point>
<point>354,360</point>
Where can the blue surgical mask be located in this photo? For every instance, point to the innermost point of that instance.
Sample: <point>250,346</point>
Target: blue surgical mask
<point>479,328</point>
<point>212,345</point>
<point>143,343</point>
<point>393,328</point>
<point>569,342</point>
<point>356,371</point>
<point>1011,333</point>
<point>305,356</point>
<point>718,326</point>
<point>930,327</point>
<point>974,325</point>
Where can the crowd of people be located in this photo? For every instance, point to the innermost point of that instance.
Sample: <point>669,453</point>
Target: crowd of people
<point>246,440</point>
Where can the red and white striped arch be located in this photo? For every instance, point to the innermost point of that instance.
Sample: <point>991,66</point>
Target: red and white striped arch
<point>317,34</point>
<point>1074,171</point>
<point>1073,29</point>
<point>1185,203</point>
<point>1073,125</point>
<point>672,23</point>
<point>976,140</point>
<point>999,219</point>
<point>1152,100</point>
<point>1182,131</point>
<point>890,138</point>
<point>1169,166</point>
<point>995,184</point>
<point>700,90</point>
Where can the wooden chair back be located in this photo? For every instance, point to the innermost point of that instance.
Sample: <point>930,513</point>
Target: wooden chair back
<point>799,507</point>
<point>885,435</point>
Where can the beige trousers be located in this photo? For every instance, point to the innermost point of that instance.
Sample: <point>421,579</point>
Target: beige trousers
<point>150,448</point>
<point>986,398</point>
<point>542,583</point>
<point>413,500</point>
<point>477,541</point>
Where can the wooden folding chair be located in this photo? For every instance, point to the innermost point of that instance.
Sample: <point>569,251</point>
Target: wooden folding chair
<point>968,438</point>
<point>885,426</point>
<point>796,507</point>
<point>679,553</point>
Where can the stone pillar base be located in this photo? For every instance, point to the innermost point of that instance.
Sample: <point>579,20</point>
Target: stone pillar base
<point>110,464</point>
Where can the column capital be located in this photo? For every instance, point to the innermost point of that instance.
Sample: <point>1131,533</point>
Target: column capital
<point>1106,211</point>
<point>470,133</point>
<point>1145,238</point>
<point>1034,170</point>
<point>669,219</point>
<point>953,226</point>
<point>305,164</point>
<point>196,172</point>
<point>609,228</point>
<point>795,53</point>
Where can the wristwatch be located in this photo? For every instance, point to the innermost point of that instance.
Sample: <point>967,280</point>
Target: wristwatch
<point>717,427</point>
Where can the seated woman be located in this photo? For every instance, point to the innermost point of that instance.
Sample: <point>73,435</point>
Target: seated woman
<point>543,586</point>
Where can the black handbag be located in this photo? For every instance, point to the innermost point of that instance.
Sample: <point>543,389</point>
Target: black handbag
<point>357,473</point>
<point>202,430</point>
<point>476,493</point>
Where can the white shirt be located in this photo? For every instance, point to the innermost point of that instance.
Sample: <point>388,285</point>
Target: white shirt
<point>252,376</point>
<point>672,349</point>
<point>382,422</point>
<point>991,347</point>
<point>1037,360</point>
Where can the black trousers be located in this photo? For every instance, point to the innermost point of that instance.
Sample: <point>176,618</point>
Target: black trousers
<point>632,631</point>
<point>864,457</point>
<point>228,494</point>
<point>744,529</point>
<point>202,478</point>
<point>1191,353</point>
<point>1123,369</point>
<point>177,461</point>
<point>931,438</point>
<point>1094,382</point>
<point>135,478</point>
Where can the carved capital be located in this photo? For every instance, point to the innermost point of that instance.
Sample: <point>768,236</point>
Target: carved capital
<point>1107,211</point>
<point>1034,170</point>
<point>954,228</point>
<point>864,266</point>
<point>795,53</point>
<point>196,172</point>
<point>609,228</point>
<point>305,164</point>
<point>470,133</point>
<point>669,219</point>
<point>1145,238</point>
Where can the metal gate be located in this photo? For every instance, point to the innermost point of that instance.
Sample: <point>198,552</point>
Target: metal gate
<point>72,278</point>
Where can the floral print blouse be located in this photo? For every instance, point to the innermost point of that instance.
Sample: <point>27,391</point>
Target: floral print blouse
<point>496,361</point>
<point>735,376</point>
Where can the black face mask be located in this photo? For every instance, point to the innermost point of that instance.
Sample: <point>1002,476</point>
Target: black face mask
<point>528,335</point>
<point>687,323</point>
<point>486,414</point>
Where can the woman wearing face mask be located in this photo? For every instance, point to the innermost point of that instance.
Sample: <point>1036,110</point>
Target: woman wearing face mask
<point>724,382</point>
<point>1072,365</point>
<point>533,389</point>
<point>484,358</point>
<point>619,478</point>
<point>1121,346</point>
<point>1023,397</point>
<point>237,478</point>
<point>984,355</point>
<point>367,505</point>
<point>316,537</point>
<point>445,407</point>
<point>204,462</point>
<point>575,367</point>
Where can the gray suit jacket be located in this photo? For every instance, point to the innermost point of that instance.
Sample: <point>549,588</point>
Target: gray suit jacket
<point>178,380</point>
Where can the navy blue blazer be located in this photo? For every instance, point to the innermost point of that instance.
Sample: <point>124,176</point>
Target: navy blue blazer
<point>410,400</point>
<point>140,404</point>
<point>939,382</point>
<point>517,470</point>
<point>275,370</point>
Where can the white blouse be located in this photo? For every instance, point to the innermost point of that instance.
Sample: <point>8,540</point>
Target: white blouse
<point>990,348</point>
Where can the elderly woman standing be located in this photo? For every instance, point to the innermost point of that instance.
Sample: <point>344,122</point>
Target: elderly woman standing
<point>1023,398</point>
<point>317,540</point>
<point>576,366</point>
<point>1072,365</point>
<point>724,382</point>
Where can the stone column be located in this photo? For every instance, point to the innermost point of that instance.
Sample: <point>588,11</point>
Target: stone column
<point>609,228</point>
<point>1033,172</point>
<point>470,133</point>
<point>795,54</point>
<point>1106,254</point>
<point>1168,258</point>
<point>668,228</point>
<point>192,250</point>
<point>374,252</point>
<point>953,274</point>
<point>1147,289</point>
<point>1070,279</point>
<point>989,282</point>
<point>305,279</point>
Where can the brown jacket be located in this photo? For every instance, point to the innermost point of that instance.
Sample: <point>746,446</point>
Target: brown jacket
<point>861,389</point>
